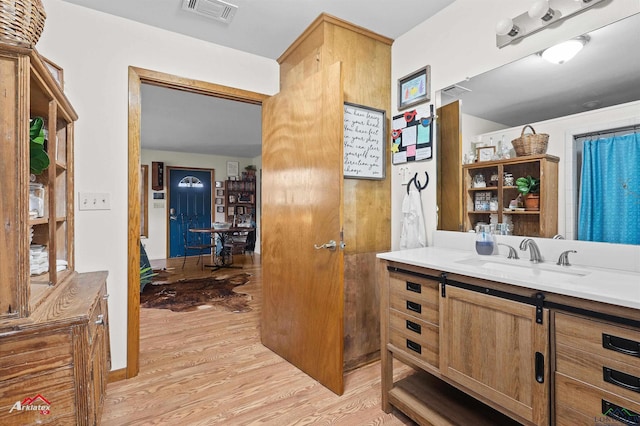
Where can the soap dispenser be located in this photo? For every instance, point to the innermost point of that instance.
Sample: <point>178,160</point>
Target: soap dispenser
<point>485,240</point>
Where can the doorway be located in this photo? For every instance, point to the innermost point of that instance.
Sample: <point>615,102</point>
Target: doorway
<point>138,76</point>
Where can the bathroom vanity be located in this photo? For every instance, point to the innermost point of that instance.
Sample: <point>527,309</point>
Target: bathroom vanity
<point>499,341</point>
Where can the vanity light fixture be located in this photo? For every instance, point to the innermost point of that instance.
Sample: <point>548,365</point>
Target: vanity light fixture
<point>541,10</point>
<point>565,51</point>
<point>541,14</point>
<point>506,27</point>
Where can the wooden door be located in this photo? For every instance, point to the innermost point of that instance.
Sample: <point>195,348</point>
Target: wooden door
<point>491,345</point>
<point>449,164</point>
<point>303,288</point>
<point>189,207</point>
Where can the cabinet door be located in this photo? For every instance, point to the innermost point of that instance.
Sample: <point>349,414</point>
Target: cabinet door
<point>495,348</point>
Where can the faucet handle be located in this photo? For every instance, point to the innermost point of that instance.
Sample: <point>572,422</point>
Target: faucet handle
<point>563,260</point>
<point>513,254</point>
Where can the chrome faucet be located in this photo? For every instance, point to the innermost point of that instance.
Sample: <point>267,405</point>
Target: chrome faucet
<point>513,254</point>
<point>563,260</point>
<point>534,251</point>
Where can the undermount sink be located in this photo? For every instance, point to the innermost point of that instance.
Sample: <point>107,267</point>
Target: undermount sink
<point>524,268</point>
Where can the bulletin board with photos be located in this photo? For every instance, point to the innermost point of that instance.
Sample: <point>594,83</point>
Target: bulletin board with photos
<point>412,135</point>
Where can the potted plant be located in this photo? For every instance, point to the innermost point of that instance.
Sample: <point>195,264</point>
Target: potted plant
<point>529,187</point>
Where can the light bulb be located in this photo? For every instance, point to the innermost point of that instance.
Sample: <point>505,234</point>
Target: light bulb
<point>505,27</point>
<point>540,10</point>
<point>561,53</point>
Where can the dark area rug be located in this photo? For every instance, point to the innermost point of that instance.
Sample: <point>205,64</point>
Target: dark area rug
<point>192,294</point>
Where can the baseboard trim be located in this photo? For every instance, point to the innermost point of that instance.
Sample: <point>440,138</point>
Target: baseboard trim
<point>117,375</point>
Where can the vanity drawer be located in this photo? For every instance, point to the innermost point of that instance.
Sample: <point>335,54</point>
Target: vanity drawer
<point>614,342</point>
<point>596,405</point>
<point>415,296</point>
<point>616,377</point>
<point>415,337</point>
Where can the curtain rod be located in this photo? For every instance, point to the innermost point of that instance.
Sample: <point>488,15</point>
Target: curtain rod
<point>634,127</point>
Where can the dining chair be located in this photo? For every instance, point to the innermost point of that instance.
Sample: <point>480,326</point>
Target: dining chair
<point>195,241</point>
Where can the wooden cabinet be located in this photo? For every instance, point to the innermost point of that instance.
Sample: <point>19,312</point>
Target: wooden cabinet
<point>597,374</point>
<point>29,91</point>
<point>485,352</point>
<point>54,345</point>
<point>241,201</point>
<point>495,347</point>
<point>532,223</point>
<point>444,333</point>
<point>59,356</point>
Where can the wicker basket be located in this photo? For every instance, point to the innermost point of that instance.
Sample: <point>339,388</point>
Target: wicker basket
<point>530,144</point>
<point>21,22</point>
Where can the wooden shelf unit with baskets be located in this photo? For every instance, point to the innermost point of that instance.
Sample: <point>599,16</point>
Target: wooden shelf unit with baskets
<point>536,223</point>
<point>54,336</point>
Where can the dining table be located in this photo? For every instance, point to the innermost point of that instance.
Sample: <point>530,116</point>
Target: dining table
<point>224,259</point>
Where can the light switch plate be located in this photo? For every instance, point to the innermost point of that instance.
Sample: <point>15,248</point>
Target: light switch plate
<point>94,201</point>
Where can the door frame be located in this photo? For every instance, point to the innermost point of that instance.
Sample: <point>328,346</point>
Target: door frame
<point>136,77</point>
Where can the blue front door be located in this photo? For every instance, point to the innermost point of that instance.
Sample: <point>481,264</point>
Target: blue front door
<point>189,207</point>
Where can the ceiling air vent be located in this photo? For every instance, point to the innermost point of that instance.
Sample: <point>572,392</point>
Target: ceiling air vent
<point>212,9</point>
<point>455,91</point>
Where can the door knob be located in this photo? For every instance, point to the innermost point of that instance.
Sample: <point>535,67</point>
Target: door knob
<point>331,245</point>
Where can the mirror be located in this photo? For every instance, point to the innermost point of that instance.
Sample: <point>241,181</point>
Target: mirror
<point>599,89</point>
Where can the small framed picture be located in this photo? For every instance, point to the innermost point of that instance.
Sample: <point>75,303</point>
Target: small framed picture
<point>485,153</point>
<point>55,70</point>
<point>220,209</point>
<point>219,184</point>
<point>219,201</point>
<point>414,88</point>
<point>233,168</point>
<point>232,199</point>
<point>219,192</point>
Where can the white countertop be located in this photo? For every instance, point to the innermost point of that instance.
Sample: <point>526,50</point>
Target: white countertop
<point>611,286</point>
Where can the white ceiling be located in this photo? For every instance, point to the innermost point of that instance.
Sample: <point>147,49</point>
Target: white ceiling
<point>172,120</point>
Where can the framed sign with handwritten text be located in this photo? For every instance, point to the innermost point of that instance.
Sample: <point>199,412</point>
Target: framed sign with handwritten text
<point>364,142</point>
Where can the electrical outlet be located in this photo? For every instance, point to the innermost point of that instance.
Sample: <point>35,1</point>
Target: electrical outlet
<point>94,201</point>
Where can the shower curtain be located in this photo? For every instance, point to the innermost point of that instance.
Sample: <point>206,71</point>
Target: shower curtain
<point>610,190</point>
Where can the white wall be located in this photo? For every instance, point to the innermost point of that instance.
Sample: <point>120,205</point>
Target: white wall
<point>459,42</point>
<point>95,51</point>
<point>156,242</point>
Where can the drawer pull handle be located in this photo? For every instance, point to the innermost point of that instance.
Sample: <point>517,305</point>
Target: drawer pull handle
<point>619,344</point>
<point>416,288</point>
<point>105,297</point>
<point>621,379</point>
<point>415,307</point>
<point>100,320</point>
<point>416,328</point>
<point>539,367</point>
<point>621,414</point>
<point>414,346</point>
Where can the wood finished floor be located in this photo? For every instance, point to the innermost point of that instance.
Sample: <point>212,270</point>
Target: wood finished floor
<point>209,367</point>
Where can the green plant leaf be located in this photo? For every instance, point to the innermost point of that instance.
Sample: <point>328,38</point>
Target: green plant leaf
<point>39,159</point>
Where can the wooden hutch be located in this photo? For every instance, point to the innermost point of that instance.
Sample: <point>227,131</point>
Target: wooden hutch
<point>54,337</point>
